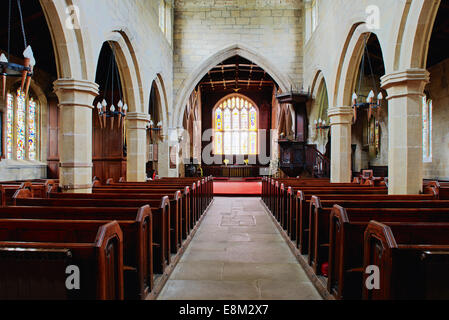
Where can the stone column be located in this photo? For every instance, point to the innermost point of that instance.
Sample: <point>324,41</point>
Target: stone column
<point>341,122</point>
<point>136,143</point>
<point>169,148</point>
<point>405,157</point>
<point>75,139</point>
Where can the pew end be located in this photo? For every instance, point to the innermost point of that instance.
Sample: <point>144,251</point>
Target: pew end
<point>409,269</point>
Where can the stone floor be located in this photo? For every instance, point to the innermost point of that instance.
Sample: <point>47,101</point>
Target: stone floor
<point>238,254</point>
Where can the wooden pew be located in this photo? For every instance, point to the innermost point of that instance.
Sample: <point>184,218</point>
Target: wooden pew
<point>49,247</point>
<point>347,226</point>
<point>285,197</point>
<point>286,201</point>
<point>303,212</point>
<point>2,196</point>
<point>160,209</point>
<point>413,259</point>
<point>136,226</point>
<point>208,182</point>
<point>203,188</point>
<point>188,200</point>
<point>192,199</point>
<point>319,222</point>
<point>270,187</point>
<point>300,209</point>
<point>38,188</point>
<point>178,209</point>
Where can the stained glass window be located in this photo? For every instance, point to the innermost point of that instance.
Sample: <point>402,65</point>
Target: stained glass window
<point>236,127</point>
<point>227,119</point>
<point>253,119</point>
<point>21,127</point>
<point>9,126</point>
<point>218,142</point>
<point>427,129</point>
<point>32,145</point>
<point>227,143</point>
<point>244,119</point>
<point>219,119</point>
<point>235,119</point>
<point>244,140</point>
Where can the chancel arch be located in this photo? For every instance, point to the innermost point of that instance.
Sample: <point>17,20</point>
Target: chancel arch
<point>239,49</point>
<point>229,116</point>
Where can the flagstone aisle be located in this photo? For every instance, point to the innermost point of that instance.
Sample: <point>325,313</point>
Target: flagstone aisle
<point>238,254</point>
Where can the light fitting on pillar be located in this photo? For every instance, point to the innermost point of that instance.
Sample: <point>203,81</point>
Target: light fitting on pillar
<point>368,103</point>
<point>114,112</point>
<point>9,69</point>
<point>155,131</point>
<point>321,125</point>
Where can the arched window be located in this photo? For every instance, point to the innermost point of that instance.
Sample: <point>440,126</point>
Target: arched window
<point>22,127</point>
<point>427,129</point>
<point>236,125</point>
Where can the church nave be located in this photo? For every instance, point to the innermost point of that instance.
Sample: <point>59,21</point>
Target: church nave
<point>238,254</point>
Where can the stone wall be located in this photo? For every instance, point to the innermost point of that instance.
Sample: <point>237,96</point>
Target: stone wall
<point>272,29</point>
<point>439,93</point>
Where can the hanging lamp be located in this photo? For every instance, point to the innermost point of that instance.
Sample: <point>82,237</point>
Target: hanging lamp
<point>368,103</point>
<point>9,69</point>
<point>114,112</point>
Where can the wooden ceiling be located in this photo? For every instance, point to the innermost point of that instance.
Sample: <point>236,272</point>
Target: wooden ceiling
<point>236,74</point>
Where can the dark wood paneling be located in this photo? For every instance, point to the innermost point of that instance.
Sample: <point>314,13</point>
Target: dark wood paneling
<point>53,144</point>
<point>107,150</point>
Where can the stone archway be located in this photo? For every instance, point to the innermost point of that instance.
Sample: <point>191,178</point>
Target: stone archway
<point>416,35</point>
<point>284,82</point>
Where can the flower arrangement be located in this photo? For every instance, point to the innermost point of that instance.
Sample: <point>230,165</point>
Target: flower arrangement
<point>226,162</point>
<point>246,161</point>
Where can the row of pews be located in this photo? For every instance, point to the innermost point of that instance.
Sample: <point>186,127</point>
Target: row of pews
<point>122,239</point>
<point>343,231</point>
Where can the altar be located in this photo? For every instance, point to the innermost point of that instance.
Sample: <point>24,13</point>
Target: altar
<point>233,171</point>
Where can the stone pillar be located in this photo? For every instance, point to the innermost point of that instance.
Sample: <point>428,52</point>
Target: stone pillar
<point>341,122</point>
<point>75,138</point>
<point>136,144</point>
<point>163,164</point>
<point>169,148</point>
<point>405,157</point>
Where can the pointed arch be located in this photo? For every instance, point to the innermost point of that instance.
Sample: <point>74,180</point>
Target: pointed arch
<point>68,43</point>
<point>284,82</point>
<point>128,70</point>
<point>416,35</point>
<point>162,95</point>
<point>350,63</point>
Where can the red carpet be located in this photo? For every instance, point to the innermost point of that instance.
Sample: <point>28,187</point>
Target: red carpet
<point>233,188</point>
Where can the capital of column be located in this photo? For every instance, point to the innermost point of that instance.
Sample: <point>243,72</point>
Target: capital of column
<point>340,115</point>
<point>404,83</point>
<point>73,92</point>
<point>136,120</point>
